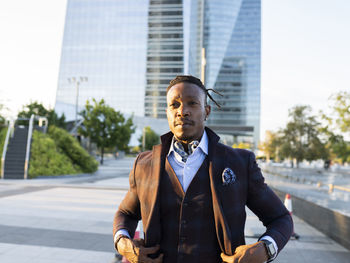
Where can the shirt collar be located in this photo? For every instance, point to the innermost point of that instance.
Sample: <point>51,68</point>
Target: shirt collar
<point>203,144</point>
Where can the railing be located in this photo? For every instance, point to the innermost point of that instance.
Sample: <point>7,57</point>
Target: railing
<point>29,139</point>
<point>42,122</point>
<point>332,187</point>
<point>319,184</point>
<point>7,139</point>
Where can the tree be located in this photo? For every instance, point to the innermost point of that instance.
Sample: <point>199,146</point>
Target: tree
<point>337,147</point>
<point>152,138</point>
<point>2,121</point>
<point>301,137</point>
<point>2,118</point>
<point>341,109</point>
<point>337,126</point>
<point>105,126</point>
<point>271,145</point>
<point>38,109</point>
<point>242,145</point>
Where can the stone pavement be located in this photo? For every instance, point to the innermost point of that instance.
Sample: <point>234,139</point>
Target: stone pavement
<point>70,220</point>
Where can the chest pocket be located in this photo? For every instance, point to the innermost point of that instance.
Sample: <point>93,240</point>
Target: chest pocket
<point>233,196</point>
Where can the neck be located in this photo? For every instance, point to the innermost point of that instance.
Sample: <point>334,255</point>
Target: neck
<point>185,144</point>
<point>187,141</point>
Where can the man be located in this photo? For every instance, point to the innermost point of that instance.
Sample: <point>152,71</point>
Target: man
<point>191,191</point>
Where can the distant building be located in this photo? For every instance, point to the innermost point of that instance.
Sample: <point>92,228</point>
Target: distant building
<point>130,50</point>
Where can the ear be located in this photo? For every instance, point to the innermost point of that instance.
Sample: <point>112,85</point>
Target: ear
<point>207,111</point>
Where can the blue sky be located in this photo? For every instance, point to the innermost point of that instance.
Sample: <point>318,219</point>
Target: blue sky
<point>305,53</point>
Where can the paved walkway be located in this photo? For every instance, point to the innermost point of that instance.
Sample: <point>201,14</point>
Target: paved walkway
<point>70,220</point>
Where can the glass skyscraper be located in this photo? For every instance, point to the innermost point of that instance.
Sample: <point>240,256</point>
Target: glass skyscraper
<point>130,50</point>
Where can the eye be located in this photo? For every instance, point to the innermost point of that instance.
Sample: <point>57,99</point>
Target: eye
<point>192,103</point>
<point>174,105</point>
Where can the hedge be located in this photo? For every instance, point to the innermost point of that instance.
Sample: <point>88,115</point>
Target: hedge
<point>47,159</point>
<point>71,147</point>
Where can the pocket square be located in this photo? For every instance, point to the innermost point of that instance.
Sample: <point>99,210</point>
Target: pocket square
<point>228,177</point>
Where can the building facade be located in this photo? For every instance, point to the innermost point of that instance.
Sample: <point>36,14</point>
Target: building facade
<point>126,52</point>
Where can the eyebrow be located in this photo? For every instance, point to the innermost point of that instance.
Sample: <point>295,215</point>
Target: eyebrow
<point>189,97</point>
<point>193,97</point>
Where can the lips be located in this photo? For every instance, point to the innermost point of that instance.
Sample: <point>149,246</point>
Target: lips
<point>184,123</point>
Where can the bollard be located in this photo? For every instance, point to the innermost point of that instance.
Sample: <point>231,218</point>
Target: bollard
<point>331,188</point>
<point>288,205</point>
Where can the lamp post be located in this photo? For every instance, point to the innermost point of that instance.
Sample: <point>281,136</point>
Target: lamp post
<point>203,64</point>
<point>77,81</point>
<point>144,139</point>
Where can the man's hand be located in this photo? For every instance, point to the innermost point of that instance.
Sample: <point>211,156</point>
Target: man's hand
<point>135,252</point>
<point>254,253</point>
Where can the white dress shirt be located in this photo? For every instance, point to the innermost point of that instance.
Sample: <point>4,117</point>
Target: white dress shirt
<point>185,171</point>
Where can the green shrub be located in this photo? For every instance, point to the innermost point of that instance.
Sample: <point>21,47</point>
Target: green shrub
<point>47,159</point>
<point>71,147</point>
<point>3,132</point>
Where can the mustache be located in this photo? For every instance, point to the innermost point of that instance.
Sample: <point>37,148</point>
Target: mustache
<point>184,121</point>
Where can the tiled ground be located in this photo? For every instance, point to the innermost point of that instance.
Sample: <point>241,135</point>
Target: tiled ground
<point>58,225</point>
<point>70,220</point>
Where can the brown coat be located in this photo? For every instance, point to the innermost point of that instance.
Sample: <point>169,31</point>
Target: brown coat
<point>229,201</point>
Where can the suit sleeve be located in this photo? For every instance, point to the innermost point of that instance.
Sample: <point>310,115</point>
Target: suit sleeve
<point>128,213</point>
<point>267,206</point>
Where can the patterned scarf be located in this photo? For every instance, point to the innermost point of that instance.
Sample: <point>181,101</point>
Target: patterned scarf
<point>179,149</point>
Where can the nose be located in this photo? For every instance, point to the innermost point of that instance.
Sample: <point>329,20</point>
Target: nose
<point>183,111</point>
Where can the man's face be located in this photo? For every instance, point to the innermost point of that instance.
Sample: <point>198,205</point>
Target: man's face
<point>186,111</point>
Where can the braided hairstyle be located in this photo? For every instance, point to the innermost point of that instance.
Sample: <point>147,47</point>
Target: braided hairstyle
<point>196,81</point>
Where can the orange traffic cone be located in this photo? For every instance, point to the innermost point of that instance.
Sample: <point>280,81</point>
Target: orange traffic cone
<point>288,205</point>
<point>138,234</point>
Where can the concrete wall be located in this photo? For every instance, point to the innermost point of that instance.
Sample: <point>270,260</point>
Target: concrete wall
<point>331,223</point>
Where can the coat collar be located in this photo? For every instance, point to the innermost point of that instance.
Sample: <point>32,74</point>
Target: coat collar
<point>167,137</point>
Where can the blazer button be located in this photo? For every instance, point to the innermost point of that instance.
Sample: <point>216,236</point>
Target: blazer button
<point>185,204</point>
<point>182,238</point>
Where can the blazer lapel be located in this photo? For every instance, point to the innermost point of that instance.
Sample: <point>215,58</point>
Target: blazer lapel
<point>216,166</point>
<point>151,198</point>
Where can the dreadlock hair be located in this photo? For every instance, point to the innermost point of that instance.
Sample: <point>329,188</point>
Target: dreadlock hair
<point>196,81</point>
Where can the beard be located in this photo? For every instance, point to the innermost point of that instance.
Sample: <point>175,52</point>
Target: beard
<point>187,134</point>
